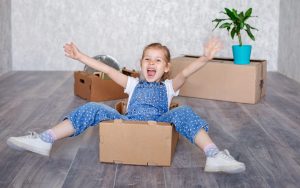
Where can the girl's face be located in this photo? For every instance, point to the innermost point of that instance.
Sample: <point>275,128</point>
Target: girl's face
<point>154,65</point>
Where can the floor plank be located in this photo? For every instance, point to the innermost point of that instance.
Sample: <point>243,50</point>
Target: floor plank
<point>139,176</point>
<point>265,136</point>
<point>86,171</point>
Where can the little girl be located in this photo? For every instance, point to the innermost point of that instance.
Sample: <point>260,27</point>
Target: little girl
<point>149,99</point>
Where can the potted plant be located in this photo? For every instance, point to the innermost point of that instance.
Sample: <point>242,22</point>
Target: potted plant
<point>235,23</point>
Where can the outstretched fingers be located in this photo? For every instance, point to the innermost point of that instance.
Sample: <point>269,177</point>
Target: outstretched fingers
<point>71,50</point>
<point>213,45</point>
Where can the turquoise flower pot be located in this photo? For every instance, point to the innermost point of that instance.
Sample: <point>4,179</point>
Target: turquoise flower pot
<point>241,54</point>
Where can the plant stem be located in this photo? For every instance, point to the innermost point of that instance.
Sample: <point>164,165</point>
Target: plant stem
<point>240,39</point>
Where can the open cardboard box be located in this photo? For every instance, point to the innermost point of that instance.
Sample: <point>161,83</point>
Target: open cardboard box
<point>220,79</point>
<point>98,86</point>
<point>137,142</point>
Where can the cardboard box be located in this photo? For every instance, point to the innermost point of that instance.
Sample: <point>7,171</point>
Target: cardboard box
<point>98,86</point>
<point>137,142</point>
<point>132,73</point>
<point>223,80</point>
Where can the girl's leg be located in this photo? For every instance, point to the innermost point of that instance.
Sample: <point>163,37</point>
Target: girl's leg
<point>203,141</point>
<point>63,129</point>
<point>191,126</point>
<point>76,122</point>
<point>80,119</point>
<point>187,123</point>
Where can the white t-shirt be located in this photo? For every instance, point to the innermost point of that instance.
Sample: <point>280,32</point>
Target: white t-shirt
<point>132,82</point>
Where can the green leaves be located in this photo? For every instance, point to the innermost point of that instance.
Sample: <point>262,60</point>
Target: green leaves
<point>231,14</point>
<point>225,25</point>
<point>218,22</point>
<point>248,13</point>
<point>248,30</point>
<point>235,22</point>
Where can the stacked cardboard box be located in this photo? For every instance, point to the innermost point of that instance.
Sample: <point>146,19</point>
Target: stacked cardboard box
<point>220,79</point>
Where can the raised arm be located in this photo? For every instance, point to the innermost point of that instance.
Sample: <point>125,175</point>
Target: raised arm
<point>210,49</point>
<point>72,51</point>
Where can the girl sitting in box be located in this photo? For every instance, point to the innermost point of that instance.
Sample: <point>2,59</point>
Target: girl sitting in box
<point>149,99</point>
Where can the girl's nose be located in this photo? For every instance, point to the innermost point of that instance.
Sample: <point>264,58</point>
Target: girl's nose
<point>152,62</point>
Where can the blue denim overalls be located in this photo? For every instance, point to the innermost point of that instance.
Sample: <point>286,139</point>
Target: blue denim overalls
<point>148,102</point>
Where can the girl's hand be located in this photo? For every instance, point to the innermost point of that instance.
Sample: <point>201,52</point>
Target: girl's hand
<point>212,47</point>
<point>72,51</point>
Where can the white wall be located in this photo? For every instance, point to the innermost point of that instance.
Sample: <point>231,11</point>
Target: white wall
<point>122,28</point>
<point>289,43</point>
<point>5,36</point>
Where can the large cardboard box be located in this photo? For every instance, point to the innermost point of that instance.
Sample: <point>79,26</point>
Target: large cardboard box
<point>137,142</point>
<point>222,80</point>
<point>98,86</point>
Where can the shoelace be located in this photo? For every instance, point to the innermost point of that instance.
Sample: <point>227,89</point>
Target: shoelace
<point>32,134</point>
<point>226,155</point>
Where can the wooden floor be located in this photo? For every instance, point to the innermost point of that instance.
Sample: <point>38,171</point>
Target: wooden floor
<point>265,136</point>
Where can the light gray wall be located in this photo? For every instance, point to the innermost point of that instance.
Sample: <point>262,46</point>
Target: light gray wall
<point>122,28</point>
<point>5,36</point>
<point>289,39</point>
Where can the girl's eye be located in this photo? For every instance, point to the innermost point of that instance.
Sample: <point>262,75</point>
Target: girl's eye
<point>159,60</point>
<point>146,59</point>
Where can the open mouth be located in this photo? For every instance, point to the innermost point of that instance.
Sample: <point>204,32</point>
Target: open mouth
<point>151,72</point>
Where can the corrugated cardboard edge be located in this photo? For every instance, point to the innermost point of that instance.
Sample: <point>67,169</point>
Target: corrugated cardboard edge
<point>175,139</point>
<point>131,73</point>
<point>264,78</point>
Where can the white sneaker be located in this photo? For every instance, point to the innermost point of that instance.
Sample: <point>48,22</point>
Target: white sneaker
<point>223,162</point>
<point>31,142</point>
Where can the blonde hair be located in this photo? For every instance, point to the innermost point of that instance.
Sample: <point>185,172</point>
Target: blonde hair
<point>167,55</point>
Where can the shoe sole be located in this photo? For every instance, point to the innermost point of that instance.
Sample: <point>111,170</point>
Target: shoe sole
<point>232,170</point>
<point>20,146</point>
<point>13,146</point>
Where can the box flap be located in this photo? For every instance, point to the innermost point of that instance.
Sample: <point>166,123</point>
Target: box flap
<point>131,73</point>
